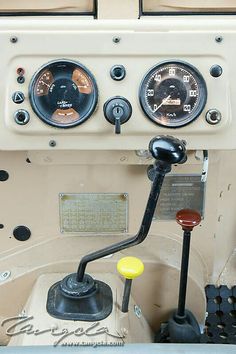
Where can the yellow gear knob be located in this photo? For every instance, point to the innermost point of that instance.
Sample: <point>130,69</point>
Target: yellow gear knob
<point>130,267</point>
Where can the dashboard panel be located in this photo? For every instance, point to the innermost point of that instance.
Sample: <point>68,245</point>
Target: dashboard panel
<point>144,49</point>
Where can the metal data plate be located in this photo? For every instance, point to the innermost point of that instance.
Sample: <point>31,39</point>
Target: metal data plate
<point>180,192</point>
<point>94,212</point>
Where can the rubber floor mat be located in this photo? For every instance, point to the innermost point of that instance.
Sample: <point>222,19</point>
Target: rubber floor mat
<point>220,325</point>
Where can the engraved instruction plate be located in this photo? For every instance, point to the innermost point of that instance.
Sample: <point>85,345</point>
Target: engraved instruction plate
<point>94,212</point>
<point>180,192</point>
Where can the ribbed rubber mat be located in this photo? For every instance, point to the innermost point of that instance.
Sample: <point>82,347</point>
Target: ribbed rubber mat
<point>221,315</point>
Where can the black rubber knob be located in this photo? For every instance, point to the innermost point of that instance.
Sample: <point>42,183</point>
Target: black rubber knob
<point>168,149</point>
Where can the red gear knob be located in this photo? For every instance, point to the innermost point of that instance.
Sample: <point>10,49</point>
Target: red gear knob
<point>188,219</point>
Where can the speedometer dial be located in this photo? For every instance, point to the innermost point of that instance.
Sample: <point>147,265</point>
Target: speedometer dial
<point>173,94</point>
<point>63,93</point>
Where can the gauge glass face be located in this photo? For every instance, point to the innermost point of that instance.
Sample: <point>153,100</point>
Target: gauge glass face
<point>63,94</point>
<point>173,94</point>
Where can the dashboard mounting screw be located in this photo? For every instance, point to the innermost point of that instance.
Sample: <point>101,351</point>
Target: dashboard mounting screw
<point>52,143</point>
<point>137,311</point>
<point>13,39</point>
<point>219,39</point>
<point>5,275</point>
<point>116,40</point>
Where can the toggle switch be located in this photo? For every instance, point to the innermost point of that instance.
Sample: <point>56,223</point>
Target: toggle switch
<point>117,111</point>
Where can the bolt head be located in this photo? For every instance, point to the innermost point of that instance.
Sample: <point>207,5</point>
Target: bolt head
<point>52,143</point>
<point>218,39</point>
<point>5,275</point>
<point>116,40</point>
<point>13,39</point>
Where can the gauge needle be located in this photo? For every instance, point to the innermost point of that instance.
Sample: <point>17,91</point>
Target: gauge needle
<point>163,101</point>
<point>44,83</point>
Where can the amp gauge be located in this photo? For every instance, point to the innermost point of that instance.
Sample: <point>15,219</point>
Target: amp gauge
<point>173,94</point>
<point>63,93</point>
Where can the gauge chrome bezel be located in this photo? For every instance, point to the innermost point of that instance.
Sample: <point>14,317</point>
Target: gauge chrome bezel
<point>202,93</point>
<point>32,96</point>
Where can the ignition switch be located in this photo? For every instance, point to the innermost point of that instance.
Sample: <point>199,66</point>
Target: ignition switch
<point>117,111</point>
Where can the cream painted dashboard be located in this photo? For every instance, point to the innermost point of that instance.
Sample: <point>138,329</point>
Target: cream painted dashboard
<point>143,44</point>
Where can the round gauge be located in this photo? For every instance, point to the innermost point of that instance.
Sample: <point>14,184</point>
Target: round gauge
<point>63,93</point>
<point>173,94</point>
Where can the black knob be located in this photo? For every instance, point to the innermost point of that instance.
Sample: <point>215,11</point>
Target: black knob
<point>117,111</point>
<point>216,70</point>
<point>168,149</point>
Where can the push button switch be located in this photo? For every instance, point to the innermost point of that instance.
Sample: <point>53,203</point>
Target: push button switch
<point>18,97</point>
<point>21,117</point>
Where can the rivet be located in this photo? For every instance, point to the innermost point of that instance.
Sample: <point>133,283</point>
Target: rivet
<point>137,311</point>
<point>4,275</point>
<point>218,39</point>
<point>13,39</point>
<point>52,143</point>
<point>116,40</point>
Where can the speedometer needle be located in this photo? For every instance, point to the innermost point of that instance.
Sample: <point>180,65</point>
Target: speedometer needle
<point>163,101</point>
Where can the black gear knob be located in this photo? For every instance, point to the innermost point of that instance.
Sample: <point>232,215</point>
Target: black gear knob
<point>168,149</point>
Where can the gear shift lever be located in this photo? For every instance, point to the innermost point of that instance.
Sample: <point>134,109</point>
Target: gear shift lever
<point>182,326</point>
<point>79,296</point>
<point>167,151</point>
